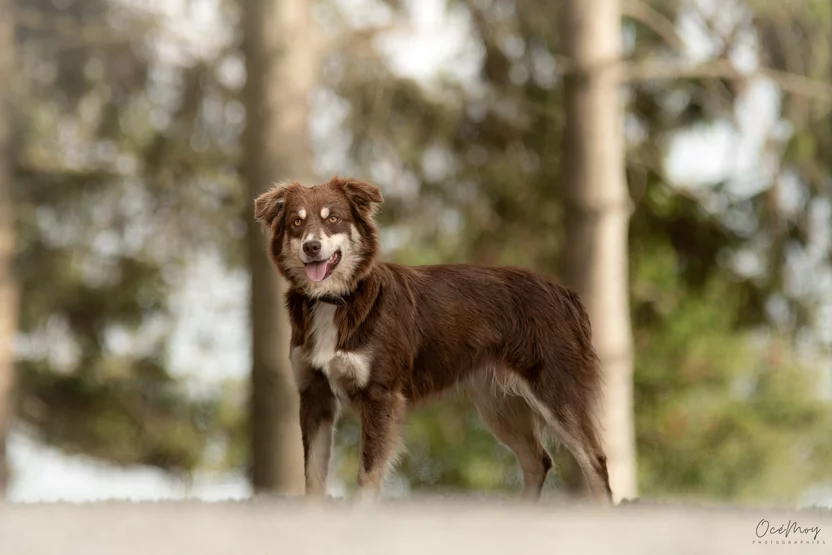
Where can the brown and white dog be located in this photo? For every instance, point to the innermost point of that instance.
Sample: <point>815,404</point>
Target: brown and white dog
<point>384,337</point>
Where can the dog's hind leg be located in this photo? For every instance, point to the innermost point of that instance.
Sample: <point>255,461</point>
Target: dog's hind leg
<point>513,423</point>
<point>582,441</point>
<point>574,426</point>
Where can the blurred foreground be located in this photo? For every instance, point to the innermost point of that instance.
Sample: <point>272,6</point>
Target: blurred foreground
<point>430,526</point>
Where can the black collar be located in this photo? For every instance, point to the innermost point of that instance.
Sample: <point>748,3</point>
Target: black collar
<point>330,299</point>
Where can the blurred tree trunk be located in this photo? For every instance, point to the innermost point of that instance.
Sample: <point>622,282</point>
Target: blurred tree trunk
<point>597,208</point>
<point>8,285</point>
<point>282,63</point>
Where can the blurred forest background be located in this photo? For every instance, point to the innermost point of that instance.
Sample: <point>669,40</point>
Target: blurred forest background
<point>670,159</point>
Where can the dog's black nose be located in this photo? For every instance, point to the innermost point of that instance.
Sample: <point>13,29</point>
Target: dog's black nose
<point>312,248</point>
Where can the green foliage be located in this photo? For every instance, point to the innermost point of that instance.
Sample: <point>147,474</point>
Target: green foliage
<point>714,417</point>
<point>120,176</point>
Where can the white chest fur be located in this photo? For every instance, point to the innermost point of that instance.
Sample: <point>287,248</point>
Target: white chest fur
<point>323,354</point>
<point>324,336</point>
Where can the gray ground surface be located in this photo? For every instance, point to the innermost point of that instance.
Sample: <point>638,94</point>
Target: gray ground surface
<point>429,526</point>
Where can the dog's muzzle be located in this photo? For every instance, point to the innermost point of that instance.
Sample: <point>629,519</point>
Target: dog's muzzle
<point>319,270</point>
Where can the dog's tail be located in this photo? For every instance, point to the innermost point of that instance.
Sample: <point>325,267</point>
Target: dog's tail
<point>592,376</point>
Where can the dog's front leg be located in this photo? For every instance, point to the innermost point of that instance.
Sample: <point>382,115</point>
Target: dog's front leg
<point>382,412</point>
<point>318,411</point>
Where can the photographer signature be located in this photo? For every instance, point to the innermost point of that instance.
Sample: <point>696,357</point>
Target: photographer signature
<point>764,527</point>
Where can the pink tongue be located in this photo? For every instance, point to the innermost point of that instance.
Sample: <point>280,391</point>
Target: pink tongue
<point>316,271</point>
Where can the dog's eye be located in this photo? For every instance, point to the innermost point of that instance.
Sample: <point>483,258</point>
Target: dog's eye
<point>297,222</point>
<point>332,219</point>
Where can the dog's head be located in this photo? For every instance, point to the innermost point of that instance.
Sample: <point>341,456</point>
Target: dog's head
<point>323,237</point>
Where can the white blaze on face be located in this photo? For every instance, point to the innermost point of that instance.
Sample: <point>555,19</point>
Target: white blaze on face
<point>332,243</point>
<point>339,281</point>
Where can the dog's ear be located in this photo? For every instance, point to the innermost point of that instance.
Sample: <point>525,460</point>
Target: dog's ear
<point>268,207</point>
<point>365,196</point>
